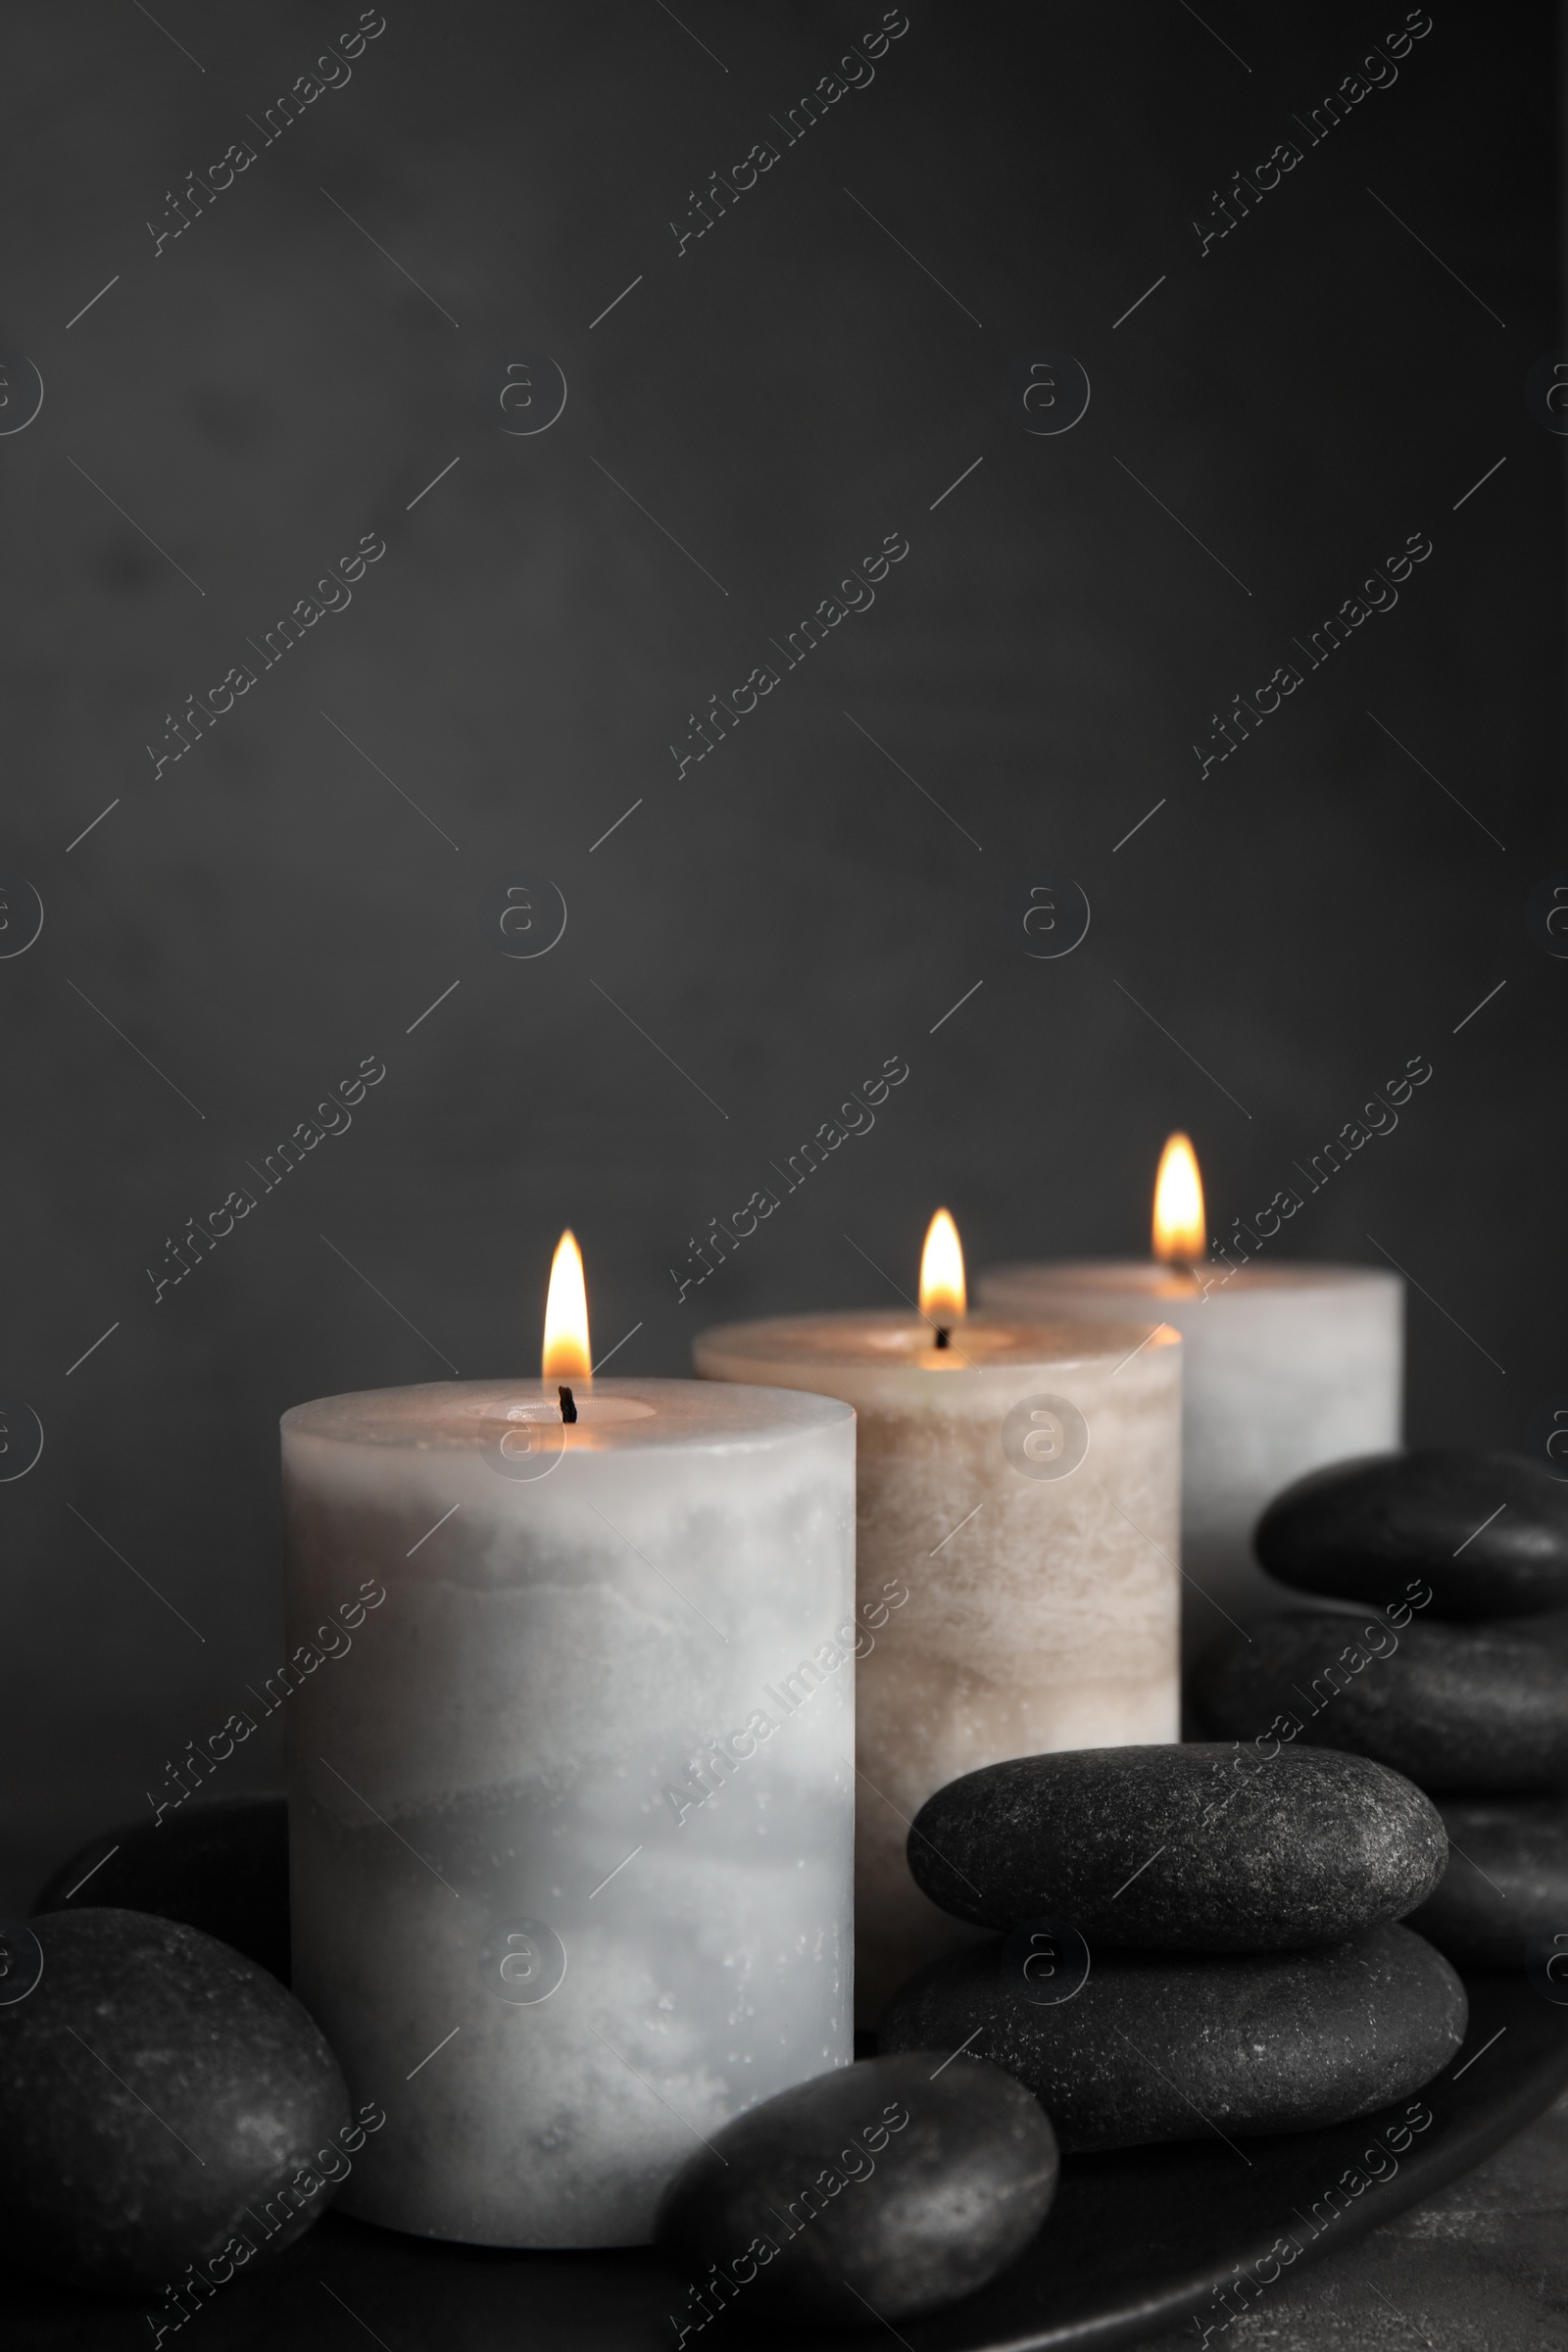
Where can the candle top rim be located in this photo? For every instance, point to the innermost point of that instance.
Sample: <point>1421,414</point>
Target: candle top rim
<point>451,1416</point>
<point>890,1339</point>
<point>1152,1277</point>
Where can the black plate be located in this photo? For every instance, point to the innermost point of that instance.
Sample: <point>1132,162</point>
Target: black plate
<point>1137,2243</point>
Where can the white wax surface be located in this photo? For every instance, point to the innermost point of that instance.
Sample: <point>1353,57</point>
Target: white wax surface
<point>1285,1367</point>
<point>557,1652</point>
<point>1040,1613</point>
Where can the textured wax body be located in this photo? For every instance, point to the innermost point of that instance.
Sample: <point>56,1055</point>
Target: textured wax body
<point>508,1882</point>
<point>1050,1620</point>
<point>1283,1367</point>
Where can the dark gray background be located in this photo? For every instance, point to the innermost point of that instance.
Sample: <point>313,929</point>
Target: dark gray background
<point>781,396</point>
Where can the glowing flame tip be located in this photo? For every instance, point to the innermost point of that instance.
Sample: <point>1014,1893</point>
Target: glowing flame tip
<point>1181,1228</point>
<point>941,1290</point>
<point>566,1353</point>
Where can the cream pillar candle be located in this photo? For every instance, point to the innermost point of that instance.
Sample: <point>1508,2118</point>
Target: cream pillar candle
<point>1017,1503</point>
<point>569,1889</point>
<point>1285,1367</point>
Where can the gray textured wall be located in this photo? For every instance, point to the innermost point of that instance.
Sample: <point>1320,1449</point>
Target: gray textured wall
<point>247,923</point>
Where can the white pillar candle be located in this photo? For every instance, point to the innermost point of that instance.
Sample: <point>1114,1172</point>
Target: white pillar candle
<point>1017,1545</point>
<point>1284,1367</point>
<point>571,1873</point>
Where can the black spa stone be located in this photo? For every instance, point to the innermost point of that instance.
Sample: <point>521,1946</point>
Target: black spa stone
<point>1487,1533</point>
<point>1219,1849</point>
<point>221,1866</point>
<point>873,2186</point>
<point>1171,2045</point>
<point>1472,1708</point>
<point>1506,1882</point>
<point>158,2098</point>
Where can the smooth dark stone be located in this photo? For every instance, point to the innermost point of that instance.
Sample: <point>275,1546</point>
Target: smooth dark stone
<point>159,2093</point>
<point>1209,1849</point>
<point>1175,2045</point>
<point>1506,1882</point>
<point>908,2215</point>
<point>223,1867</point>
<point>1463,1707</point>
<point>1368,1529</point>
<point>1137,2241</point>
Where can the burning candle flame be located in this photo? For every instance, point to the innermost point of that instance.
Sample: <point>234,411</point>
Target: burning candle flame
<point>941,1294</point>
<point>1180,1230</point>
<point>566,1355</point>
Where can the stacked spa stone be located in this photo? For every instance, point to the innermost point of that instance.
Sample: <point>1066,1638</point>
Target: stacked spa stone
<point>1454,1671</point>
<point>1195,1939</point>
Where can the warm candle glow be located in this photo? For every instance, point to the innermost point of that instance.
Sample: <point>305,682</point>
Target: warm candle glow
<point>566,1355</point>
<point>1180,1230</point>
<point>942,1295</point>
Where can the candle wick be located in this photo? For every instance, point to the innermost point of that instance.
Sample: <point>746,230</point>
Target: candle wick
<point>568,1403</point>
<point>944,1336</point>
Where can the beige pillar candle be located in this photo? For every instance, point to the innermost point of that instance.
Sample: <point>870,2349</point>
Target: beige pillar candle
<point>1017,1501</point>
